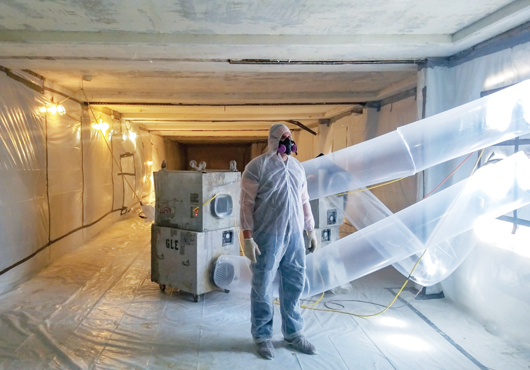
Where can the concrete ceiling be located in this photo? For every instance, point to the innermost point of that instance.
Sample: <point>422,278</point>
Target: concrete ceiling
<point>266,54</point>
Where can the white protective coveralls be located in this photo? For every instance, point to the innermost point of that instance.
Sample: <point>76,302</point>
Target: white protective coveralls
<point>275,207</point>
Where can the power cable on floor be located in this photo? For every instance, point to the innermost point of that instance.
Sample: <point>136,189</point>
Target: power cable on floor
<point>335,302</point>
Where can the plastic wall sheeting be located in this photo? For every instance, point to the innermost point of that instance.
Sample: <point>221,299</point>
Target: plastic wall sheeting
<point>65,170</point>
<point>24,223</point>
<point>59,183</point>
<point>493,281</point>
<point>97,166</point>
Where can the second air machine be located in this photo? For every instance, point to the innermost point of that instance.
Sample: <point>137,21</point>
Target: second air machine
<point>196,215</point>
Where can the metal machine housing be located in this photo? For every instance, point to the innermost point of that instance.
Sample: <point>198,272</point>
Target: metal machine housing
<point>326,213</point>
<point>183,259</point>
<point>325,236</point>
<point>197,200</point>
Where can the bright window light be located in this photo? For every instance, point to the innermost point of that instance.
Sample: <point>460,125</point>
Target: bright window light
<point>132,135</point>
<point>498,80</point>
<point>500,186</point>
<point>499,233</point>
<point>408,342</point>
<point>390,321</point>
<point>525,101</point>
<point>500,108</point>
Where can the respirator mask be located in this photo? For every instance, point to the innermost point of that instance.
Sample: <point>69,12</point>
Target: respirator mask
<point>287,146</point>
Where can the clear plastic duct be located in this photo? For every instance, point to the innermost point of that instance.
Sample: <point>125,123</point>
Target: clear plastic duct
<point>412,148</point>
<point>473,126</point>
<point>363,209</point>
<point>492,192</point>
<point>422,144</point>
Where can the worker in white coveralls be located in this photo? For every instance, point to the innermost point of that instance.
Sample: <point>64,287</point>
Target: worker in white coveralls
<point>275,211</point>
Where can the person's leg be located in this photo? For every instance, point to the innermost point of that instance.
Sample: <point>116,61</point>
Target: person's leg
<point>261,299</point>
<point>292,279</point>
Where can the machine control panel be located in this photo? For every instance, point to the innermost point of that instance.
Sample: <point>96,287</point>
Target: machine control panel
<point>228,238</point>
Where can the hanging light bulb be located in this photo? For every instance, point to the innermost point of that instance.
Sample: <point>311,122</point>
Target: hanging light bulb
<point>42,109</point>
<point>149,163</point>
<point>102,126</point>
<point>52,109</point>
<point>61,110</point>
<point>132,135</point>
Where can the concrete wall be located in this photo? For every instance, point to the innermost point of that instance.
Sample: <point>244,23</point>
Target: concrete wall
<point>218,156</point>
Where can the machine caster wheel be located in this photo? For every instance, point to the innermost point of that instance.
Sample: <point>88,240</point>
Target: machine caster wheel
<point>227,291</point>
<point>162,287</point>
<point>196,298</point>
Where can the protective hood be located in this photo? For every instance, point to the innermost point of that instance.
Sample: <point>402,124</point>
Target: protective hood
<point>275,133</point>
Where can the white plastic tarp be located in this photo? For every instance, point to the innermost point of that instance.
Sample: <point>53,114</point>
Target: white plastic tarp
<point>97,168</point>
<point>24,224</point>
<point>96,308</point>
<point>65,170</point>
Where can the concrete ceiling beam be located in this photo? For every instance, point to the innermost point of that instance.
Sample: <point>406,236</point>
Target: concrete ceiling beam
<point>226,109</point>
<point>220,116</point>
<point>341,110</point>
<point>507,17</point>
<point>186,126</point>
<point>398,87</point>
<point>124,38</point>
<point>233,98</point>
<point>109,65</point>
<point>213,133</point>
<point>155,47</point>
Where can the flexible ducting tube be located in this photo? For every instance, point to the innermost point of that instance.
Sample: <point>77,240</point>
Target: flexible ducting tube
<point>422,144</point>
<point>442,221</point>
<point>493,191</point>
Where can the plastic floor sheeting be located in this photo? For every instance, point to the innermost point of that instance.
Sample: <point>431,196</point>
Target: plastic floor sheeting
<point>97,308</point>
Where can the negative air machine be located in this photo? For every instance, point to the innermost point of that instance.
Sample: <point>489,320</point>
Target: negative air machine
<point>197,200</point>
<point>195,222</point>
<point>328,217</point>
